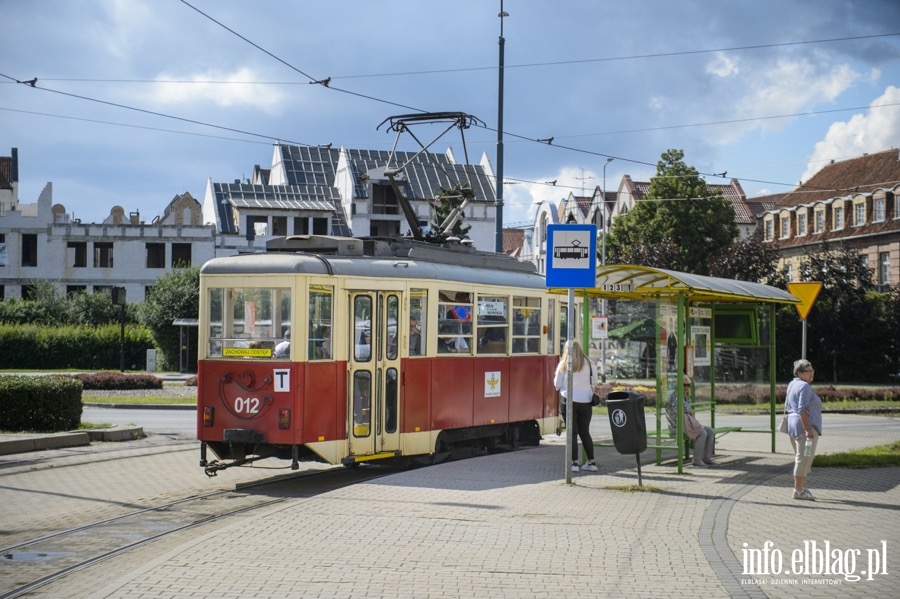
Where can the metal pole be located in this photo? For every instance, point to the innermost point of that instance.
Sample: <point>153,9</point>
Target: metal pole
<point>122,341</point>
<point>803,344</point>
<point>570,381</point>
<point>498,241</point>
<point>603,263</point>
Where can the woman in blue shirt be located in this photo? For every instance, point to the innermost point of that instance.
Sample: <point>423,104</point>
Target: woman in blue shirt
<point>804,410</point>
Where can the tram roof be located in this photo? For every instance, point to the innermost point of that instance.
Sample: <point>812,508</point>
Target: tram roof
<point>371,258</point>
<point>643,283</point>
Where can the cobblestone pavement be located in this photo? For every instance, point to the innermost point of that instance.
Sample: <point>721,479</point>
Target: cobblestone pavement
<point>508,526</point>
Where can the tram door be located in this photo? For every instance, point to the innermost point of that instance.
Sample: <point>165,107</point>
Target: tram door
<point>374,372</point>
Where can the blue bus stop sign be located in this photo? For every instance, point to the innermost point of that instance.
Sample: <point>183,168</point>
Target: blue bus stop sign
<point>572,256</point>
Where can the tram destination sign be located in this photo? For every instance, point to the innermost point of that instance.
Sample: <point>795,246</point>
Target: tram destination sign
<point>572,256</point>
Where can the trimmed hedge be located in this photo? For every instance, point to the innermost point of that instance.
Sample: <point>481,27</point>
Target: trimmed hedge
<point>759,394</point>
<point>117,381</point>
<point>40,403</point>
<point>39,347</point>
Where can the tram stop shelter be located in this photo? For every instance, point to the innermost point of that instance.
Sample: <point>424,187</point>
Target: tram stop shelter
<point>707,327</point>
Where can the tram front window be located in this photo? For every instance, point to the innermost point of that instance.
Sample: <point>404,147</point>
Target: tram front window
<point>248,322</point>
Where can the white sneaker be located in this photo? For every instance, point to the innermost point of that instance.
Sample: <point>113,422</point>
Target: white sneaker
<point>588,467</point>
<point>575,468</point>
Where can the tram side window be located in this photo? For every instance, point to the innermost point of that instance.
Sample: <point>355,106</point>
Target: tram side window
<point>418,312</point>
<point>248,322</point>
<point>492,324</point>
<point>321,323</point>
<point>526,325</point>
<point>454,322</point>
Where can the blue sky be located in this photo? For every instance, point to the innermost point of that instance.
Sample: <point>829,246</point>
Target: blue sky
<point>766,91</point>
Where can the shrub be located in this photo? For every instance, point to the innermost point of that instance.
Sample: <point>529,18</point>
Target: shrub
<point>40,347</point>
<point>39,403</point>
<point>116,381</point>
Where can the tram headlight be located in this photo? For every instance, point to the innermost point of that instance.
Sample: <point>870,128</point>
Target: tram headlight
<point>284,418</point>
<point>208,415</point>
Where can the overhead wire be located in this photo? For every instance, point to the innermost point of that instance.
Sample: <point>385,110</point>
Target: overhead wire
<point>326,83</point>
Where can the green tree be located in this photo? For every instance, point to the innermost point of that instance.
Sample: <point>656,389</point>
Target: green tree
<point>748,259</point>
<point>445,202</point>
<point>175,295</point>
<point>678,211</point>
<point>847,326</point>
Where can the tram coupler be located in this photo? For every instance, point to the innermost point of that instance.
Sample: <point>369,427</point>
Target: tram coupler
<point>213,468</point>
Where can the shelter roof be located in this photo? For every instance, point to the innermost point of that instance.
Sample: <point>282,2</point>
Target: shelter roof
<point>628,281</point>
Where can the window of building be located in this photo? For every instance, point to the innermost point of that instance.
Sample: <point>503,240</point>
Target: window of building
<point>785,227</point>
<point>801,224</point>
<point>789,272</point>
<point>320,226</point>
<point>28,292</point>
<point>301,225</point>
<point>77,254</point>
<point>2,292</point>
<point>279,225</point>
<point>148,290</point>
<point>859,214</point>
<point>769,226</point>
<point>156,255</point>
<point>75,289</point>
<point>884,268</point>
<point>384,201</point>
<point>181,255</point>
<point>820,221</point>
<point>103,254</point>
<point>879,210</point>
<point>838,219</point>
<point>29,249</point>
<point>384,228</point>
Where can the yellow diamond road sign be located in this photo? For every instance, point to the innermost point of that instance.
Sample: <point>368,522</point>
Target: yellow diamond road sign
<point>807,293</point>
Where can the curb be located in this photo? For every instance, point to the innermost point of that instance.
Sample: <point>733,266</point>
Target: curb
<point>25,443</point>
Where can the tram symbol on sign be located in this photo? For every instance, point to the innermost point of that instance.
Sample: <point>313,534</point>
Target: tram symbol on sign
<point>619,418</point>
<point>571,252</point>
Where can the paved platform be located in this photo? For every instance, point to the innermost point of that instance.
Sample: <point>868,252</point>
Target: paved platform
<point>508,526</point>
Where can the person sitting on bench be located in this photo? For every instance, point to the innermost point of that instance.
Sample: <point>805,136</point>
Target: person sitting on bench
<point>704,437</point>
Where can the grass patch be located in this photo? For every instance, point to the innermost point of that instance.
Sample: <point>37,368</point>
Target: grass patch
<point>868,457</point>
<point>634,488</point>
<point>94,426</point>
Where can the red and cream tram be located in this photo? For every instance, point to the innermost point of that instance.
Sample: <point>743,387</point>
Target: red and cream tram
<point>347,350</point>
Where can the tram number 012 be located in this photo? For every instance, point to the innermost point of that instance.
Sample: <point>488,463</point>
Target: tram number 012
<point>246,405</point>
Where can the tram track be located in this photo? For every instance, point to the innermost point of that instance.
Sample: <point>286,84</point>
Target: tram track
<point>34,563</point>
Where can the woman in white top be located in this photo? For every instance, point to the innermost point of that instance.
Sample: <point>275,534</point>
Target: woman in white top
<point>582,410</point>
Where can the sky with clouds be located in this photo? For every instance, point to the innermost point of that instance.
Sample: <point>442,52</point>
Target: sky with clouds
<point>137,101</point>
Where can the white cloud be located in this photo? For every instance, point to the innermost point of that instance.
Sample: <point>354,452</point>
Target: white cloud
<point>878,130</point>
<point>223,89</point>
<point>788,87</point>
<point>723,66</point>
<point>128,22</point>
<point>521,201</point>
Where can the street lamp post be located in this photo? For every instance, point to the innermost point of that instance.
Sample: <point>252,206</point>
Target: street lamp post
<point>498,241</point>
<point>603,263</point>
